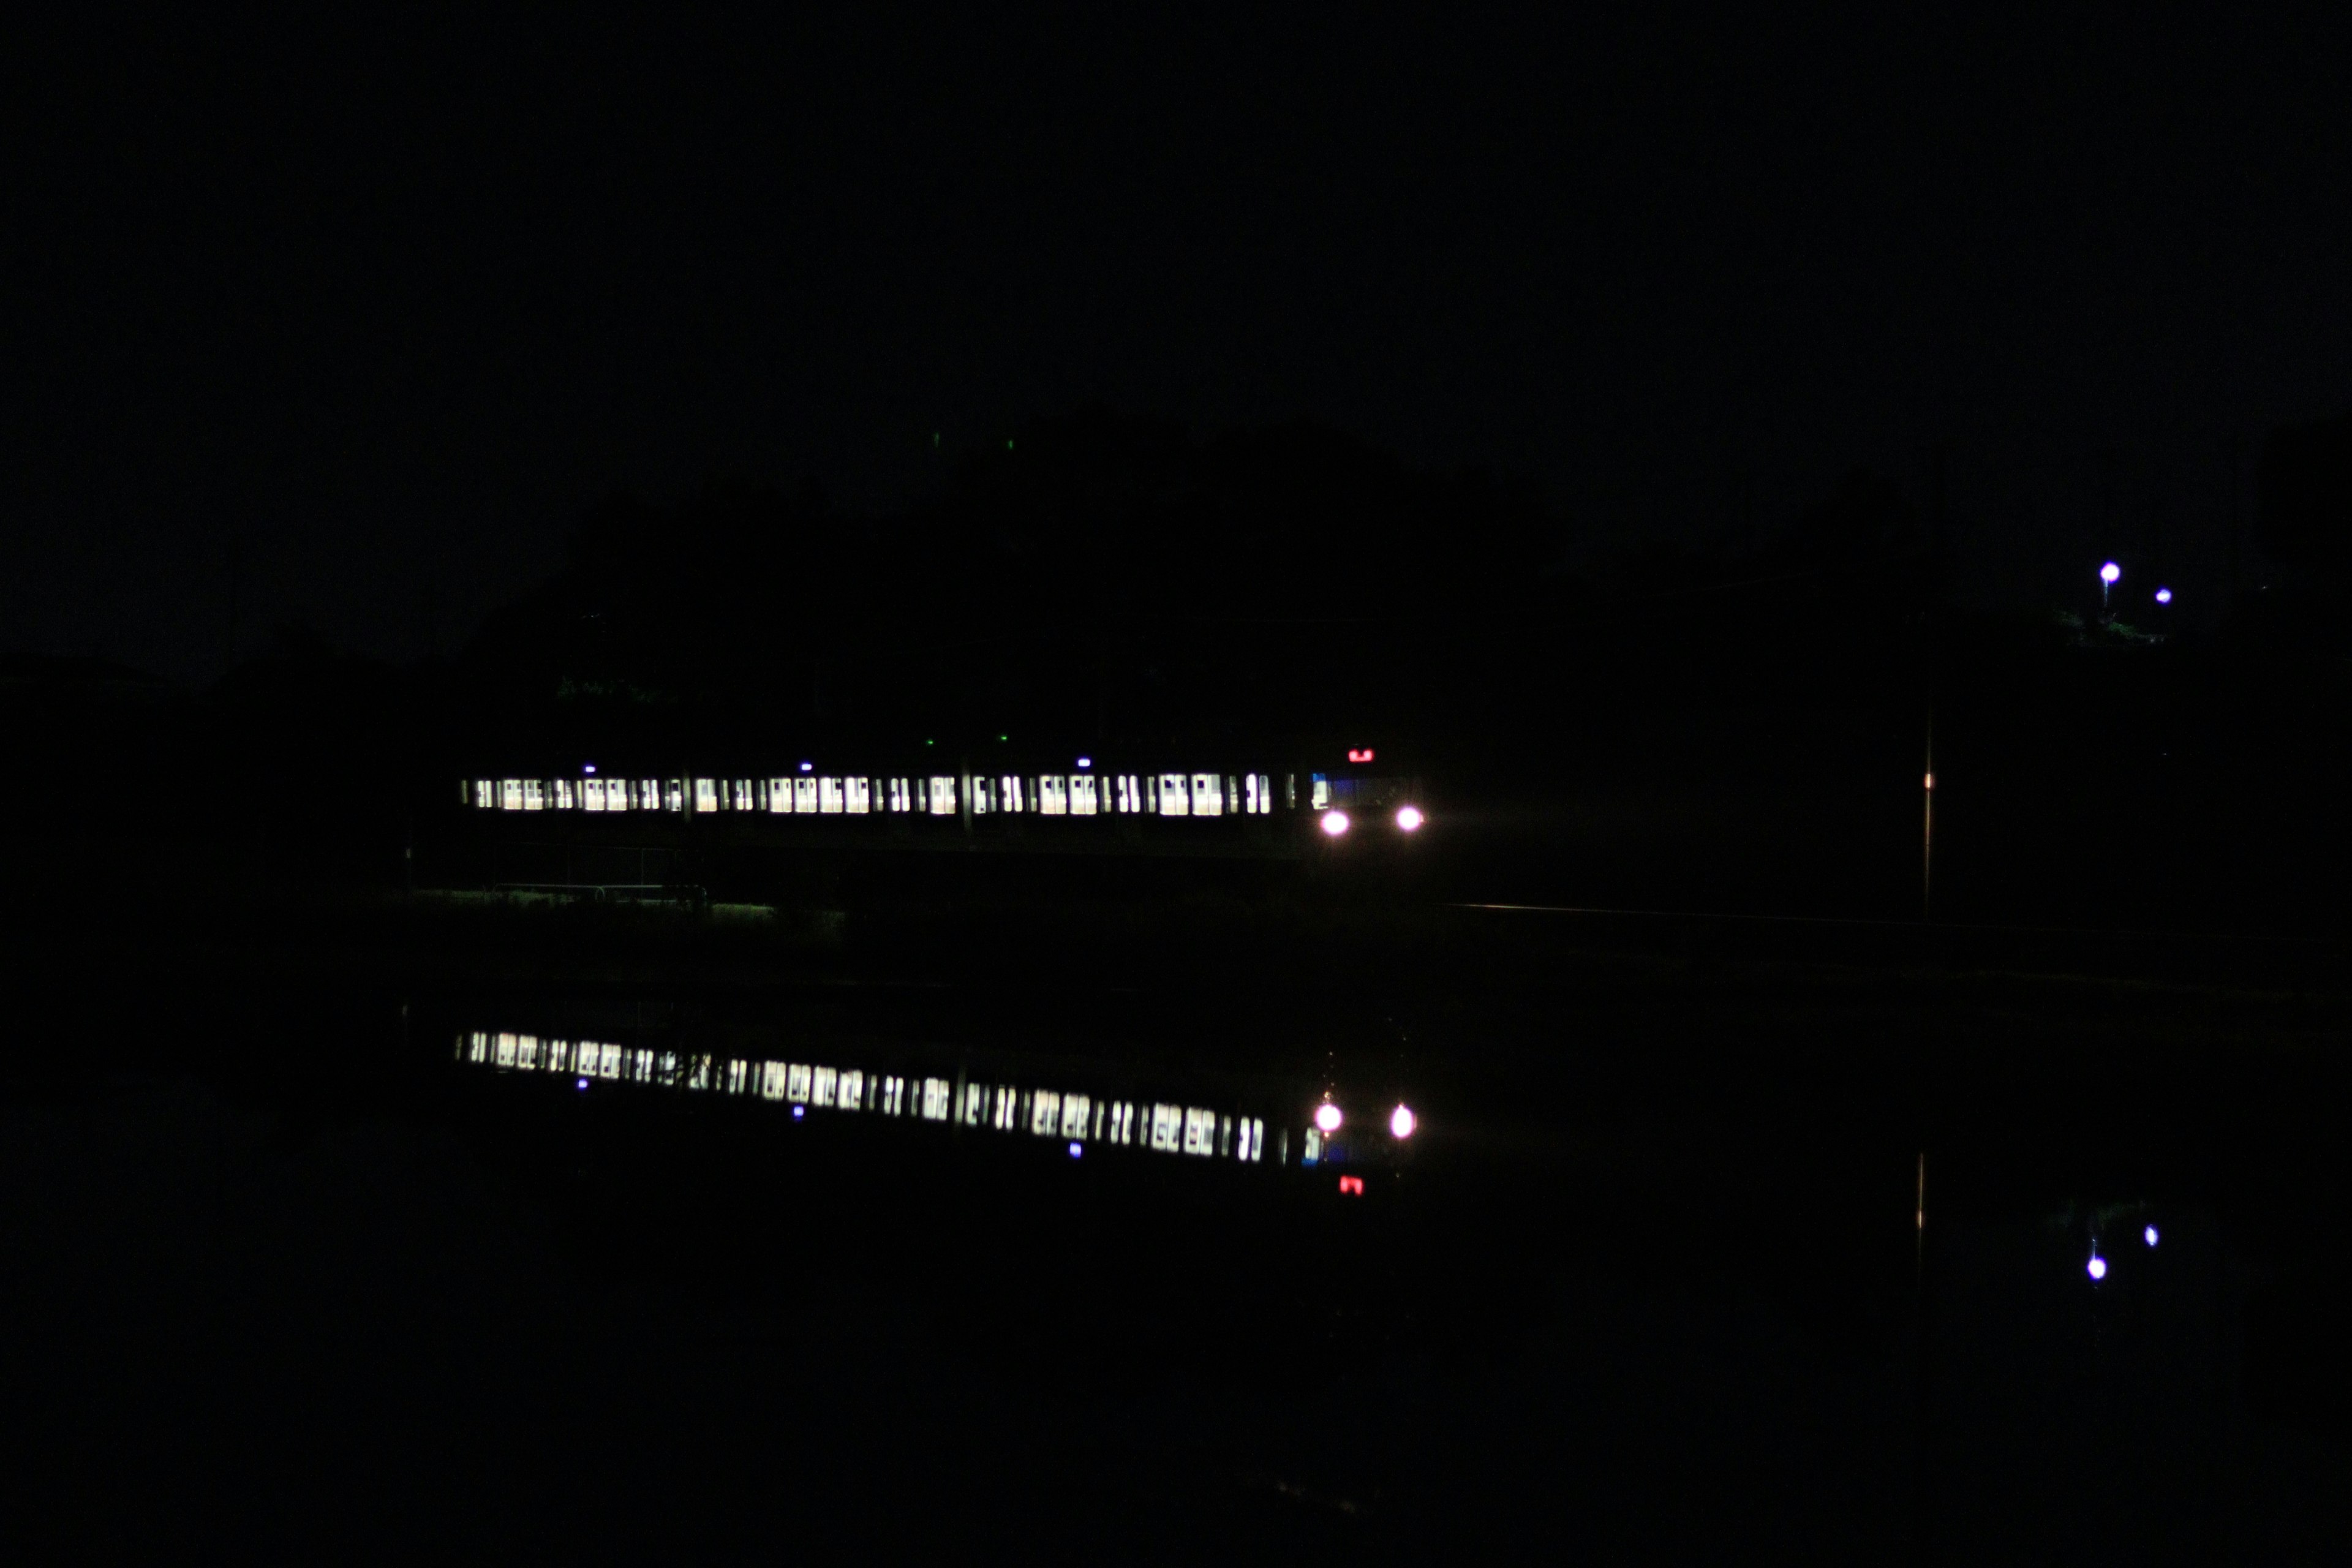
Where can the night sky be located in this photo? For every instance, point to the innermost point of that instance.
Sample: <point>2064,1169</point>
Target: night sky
<point>364,312</point>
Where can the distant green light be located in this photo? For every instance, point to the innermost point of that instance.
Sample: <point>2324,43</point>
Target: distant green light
<point>1008,445</point>
<point>1004,737</point>
<point>935,439</point>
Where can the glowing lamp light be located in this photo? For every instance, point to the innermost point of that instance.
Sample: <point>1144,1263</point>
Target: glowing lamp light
<point>2148,1235</point>
<point>811,767</point>
<point>1402,1122</point>
<point>1335,823</point>
<point>796,1111</point>
<point>1359,753</point>
<point>584,1084</point>
<point>2099,1267</point>
<point>2164,595</point>
<point>1085,762</point>
<point>1327,1117</point>
<point>1409,817</point>
<point>591,770</point>
<point>1352,1184</point>
<point>1076,1151</point>
<point>2110,572</point>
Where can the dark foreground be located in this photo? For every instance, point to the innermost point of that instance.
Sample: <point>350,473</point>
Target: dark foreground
<point>285,1279</point>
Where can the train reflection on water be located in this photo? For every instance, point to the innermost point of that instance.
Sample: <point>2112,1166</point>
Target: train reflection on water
<point>1080,1119</point>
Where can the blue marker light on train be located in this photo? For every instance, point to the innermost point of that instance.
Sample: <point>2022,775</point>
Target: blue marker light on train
<point>796,1111</point>
<point>2148,1235</point>
<point>583,1084</point>
<point>592,769</point>
<point>1085,762</point>
<point>811,767</point>
<point>1076,1151</point>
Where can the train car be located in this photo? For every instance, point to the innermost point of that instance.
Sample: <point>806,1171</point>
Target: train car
<point>1084,804</point>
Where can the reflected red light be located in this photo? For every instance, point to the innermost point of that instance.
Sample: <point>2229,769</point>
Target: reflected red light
<point>1352,1184</point>
<point>1359,753</point>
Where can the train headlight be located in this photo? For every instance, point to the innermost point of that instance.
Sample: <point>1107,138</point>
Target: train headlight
<point>1409,817</point>
<point>1402,1122</point>
<point>1327,1117</point>
<point>1335,823</point>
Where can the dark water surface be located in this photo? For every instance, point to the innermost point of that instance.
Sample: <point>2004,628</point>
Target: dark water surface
<point>289,1273</point>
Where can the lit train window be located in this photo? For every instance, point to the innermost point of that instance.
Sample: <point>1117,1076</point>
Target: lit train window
<point>480,1047</point>
<point>1252,1146</point>
<point>1012,791</point>
<point>943,796</point>
<point>608,1060</point>
<point>902,796</point>
<point>852,1095</point>
<point>771,1081</point>
<point>1322,796</point>
<point>779,795</point>
<point>828,1082</point>
<point>1167,1128</point>
<point>798,1081</point>
<point>592,794</point>
<point>934,1100</point>
<point>1046,1113</point>
<point>706,794</point>
<point>1122,1122</point>
<point>1053,795</point>
<point>674,796</point>
<point>504,1055</point>
<point>1312,1151</point>
<point>860,793</point>
<point>511,795</point>
<point>486,793</point>
<point>1082,794</point>
<point>804,794</point>
<point>1076,1109</point>
<point>1200,1132</point>
<point>525,1051</point>
<point>743,794</point>
<point>894,1096</point>
<point>560,796</point>
<point>534,795</point>
<point>1131,794</point>
<point>1008,1108</point>
<point>828,796</point>
<point>1171,795</point>
<point>738,1076</point>
<point>641,1065</point>
<point>983,796</point>
<point>975,1095</point>
<point>1208,795</point>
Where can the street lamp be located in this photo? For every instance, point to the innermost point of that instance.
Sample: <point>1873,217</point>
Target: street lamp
<point>2108,576</point>
<point>2164,595</point>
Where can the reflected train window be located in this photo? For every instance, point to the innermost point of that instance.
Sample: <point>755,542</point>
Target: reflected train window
<point>1046,1113</point>
<point>1167,1128</point>
<point>1200,1132</point>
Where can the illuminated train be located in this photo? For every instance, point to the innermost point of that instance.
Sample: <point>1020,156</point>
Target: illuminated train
<point>1108,806</point>
<point>1310,1132</point>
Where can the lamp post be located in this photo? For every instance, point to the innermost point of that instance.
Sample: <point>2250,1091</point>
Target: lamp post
<point>2108,575</point>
